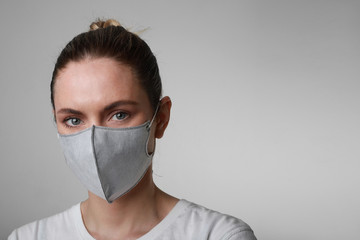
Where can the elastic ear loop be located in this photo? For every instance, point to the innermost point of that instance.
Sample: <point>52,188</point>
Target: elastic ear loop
<point>149,126</point>
<point>153,118</point>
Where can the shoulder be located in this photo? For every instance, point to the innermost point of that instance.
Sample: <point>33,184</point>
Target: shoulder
<point>216,225</point>
<point>48,227</point>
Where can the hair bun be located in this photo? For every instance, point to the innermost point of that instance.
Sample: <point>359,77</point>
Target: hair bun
<point>104,24</point>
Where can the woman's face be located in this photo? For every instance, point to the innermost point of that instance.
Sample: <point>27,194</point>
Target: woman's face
<point>99,92</point>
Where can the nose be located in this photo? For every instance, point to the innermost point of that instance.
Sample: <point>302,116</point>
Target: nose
<point>96,121</point>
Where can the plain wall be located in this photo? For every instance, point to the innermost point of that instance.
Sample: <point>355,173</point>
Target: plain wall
<point>265,118</point>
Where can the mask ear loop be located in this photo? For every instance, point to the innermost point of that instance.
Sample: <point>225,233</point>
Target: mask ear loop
<point>153,118</point>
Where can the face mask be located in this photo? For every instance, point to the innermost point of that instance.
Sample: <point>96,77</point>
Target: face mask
<point>109,162</point>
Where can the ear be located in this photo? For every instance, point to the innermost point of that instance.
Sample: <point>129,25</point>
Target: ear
<point>163,116</point>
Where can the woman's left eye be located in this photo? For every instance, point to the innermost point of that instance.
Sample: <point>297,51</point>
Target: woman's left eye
<point>119,116</point>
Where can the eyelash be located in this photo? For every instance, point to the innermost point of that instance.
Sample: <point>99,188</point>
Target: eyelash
<point>113,115</point>
<point>67,119</point>
<point>120,112</point>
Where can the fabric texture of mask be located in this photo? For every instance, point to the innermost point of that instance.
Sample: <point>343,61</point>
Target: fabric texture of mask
<point>108,161</point>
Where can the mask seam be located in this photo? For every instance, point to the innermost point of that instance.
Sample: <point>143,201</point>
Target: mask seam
<point>123,129</point>
<point>96,160</point>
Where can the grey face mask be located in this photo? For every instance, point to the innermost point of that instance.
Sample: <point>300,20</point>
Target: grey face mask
<point>109,162</point>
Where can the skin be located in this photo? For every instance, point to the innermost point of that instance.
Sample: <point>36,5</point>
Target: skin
<point>103,92</point>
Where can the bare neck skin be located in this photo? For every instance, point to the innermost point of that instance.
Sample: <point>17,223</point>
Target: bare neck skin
<point>130,216</point>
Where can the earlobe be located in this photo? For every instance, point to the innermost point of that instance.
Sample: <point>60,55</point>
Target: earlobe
<point>163,116</point>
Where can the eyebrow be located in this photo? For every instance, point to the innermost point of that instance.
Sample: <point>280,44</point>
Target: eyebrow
<point>120,103</point>
<point>107,108</point>
<point>69,110</point>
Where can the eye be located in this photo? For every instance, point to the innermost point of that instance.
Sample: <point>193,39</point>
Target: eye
<point>72,122</point>
<point>119,116</point>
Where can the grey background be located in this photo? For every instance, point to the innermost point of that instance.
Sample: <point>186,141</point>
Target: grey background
<point>265,120</point>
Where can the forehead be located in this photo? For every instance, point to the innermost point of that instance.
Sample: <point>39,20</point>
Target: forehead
<point>92,81</point>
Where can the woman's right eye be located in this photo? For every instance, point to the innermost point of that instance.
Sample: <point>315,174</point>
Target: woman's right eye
<point>72,122</point>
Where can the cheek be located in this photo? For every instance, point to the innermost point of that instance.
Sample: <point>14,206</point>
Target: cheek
<point>60,128</point>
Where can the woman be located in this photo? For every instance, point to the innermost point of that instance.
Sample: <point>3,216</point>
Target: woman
<point>106,99</point>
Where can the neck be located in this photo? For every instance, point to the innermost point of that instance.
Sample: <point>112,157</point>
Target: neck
<point>129,216</point>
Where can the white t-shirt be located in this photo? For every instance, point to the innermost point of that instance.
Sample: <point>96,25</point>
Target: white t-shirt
<point>185,221</point>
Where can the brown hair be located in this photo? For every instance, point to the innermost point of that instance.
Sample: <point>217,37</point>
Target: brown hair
<point>109,39</point>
